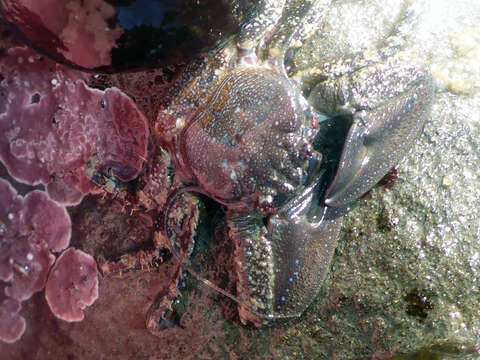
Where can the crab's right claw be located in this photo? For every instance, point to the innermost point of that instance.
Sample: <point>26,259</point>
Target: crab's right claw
<point>377,141</point>
<point>281,266</point>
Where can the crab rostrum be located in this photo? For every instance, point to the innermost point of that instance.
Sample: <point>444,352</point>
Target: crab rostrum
<point>242,132</point>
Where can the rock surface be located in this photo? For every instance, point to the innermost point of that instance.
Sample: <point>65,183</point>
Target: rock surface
<point>405,276</point>
<point>404,280</point>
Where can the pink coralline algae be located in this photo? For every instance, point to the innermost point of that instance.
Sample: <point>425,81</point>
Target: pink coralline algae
<point>52,124</point>
<point>80,36</point>
<point>31,227</point>
<point>12,325</point>
<point>72,285</point>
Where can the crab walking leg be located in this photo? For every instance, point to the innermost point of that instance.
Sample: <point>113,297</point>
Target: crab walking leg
<point>402,27</point>
<point>160,315</point>
<point>291,25</point>
<point>264,18</point>
<point>281,266</point>
<point>181,218</point>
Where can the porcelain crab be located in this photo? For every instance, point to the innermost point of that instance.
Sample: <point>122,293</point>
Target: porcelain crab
<point>244,132</point>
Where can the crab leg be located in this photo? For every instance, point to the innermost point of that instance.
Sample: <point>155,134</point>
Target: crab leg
<point>265,16</point>
<point>290,28</point>
<point>181,218</point>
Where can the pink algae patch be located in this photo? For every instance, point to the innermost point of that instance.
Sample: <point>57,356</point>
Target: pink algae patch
<point>71,31</point>
<point>72,285</point>
<point>31,227</point>
<point>52,123</point>
<point>12,325</point>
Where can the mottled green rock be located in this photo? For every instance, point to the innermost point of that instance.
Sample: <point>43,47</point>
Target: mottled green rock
<point>406,273</point>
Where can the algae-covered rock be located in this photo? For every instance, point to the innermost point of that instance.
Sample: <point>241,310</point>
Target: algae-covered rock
<point>406,273</point>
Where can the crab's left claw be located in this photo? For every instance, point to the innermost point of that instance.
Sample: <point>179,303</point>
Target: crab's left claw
<point>389,106</point>
<point>281,266</point>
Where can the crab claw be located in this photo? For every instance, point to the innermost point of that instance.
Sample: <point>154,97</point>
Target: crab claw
<point>281,265</point>
<point>378,138</point>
